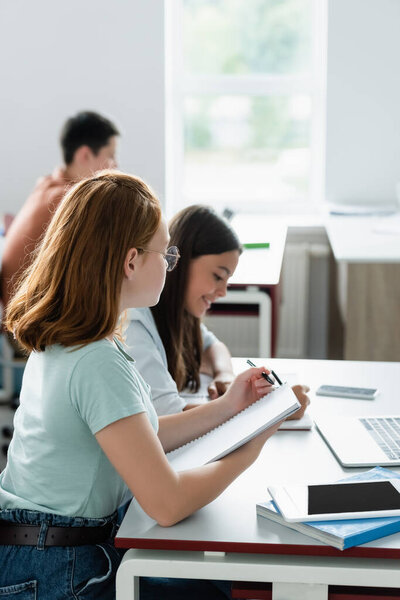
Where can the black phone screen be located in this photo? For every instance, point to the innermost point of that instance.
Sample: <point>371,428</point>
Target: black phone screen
<point>352,497</point>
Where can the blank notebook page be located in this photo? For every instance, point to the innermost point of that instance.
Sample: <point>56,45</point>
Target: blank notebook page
<point>235,432</point>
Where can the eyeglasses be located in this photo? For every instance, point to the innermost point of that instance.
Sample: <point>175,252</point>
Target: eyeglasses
<point>171,256</point>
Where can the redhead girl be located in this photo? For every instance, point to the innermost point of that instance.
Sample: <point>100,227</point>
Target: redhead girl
<point>86,432</point>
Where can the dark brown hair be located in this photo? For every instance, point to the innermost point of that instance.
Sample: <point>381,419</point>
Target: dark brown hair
<point>87,128</point>
<point>70,295</point>
<point>197,230</point>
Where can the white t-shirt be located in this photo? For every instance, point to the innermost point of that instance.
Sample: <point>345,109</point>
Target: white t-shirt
<point>145,344</point>
<point>55,463</point>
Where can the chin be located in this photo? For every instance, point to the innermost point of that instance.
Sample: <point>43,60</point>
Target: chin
<point>197,310</point>
<point>154,303</point>
<point>147,303</point>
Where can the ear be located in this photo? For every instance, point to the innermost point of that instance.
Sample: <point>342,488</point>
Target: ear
<point>130,263</point>
<point>83,155</point>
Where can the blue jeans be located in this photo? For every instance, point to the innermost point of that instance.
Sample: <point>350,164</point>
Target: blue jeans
<point>43,573</point>
<point>81,572</point>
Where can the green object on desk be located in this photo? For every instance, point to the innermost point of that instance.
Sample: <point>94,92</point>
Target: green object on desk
<point>255,245</point>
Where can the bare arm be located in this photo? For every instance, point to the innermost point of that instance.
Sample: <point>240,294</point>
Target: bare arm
<point>135,451</point>
<point>180,428</point>
<point>24,235</point>
<point>217,362</point>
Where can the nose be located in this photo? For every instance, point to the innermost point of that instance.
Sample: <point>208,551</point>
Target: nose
<point>221,289</point>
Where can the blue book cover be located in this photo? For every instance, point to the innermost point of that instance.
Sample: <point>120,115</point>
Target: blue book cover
<point>346,533</point>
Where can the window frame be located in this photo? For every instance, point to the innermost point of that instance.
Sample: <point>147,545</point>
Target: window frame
<point>179,85</point>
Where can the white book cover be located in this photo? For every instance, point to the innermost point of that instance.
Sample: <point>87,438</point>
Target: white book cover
<point>227,437</point>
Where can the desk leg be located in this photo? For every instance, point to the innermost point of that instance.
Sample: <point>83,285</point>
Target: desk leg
<point>126,584</point>
<point>275,294</point>
<point>295,591</point>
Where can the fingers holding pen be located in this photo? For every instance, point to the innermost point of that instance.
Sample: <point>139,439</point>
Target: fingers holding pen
<point>261,386</point>
<point>264,372</point>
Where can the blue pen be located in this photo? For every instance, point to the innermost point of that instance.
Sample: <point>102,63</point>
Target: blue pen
<point>267,377</point>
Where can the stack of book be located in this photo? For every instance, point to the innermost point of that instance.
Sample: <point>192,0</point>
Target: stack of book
<point>346,533</point>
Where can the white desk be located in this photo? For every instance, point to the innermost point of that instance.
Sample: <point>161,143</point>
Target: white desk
<point>226,539</point>
<point>259,267</point>
<point>371,283</point>
<point>355,240</point>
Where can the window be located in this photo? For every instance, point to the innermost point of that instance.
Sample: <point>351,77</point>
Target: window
<point>246,98</point>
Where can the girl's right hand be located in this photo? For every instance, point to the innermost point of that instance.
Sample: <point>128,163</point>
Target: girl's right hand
<point>246,388</point>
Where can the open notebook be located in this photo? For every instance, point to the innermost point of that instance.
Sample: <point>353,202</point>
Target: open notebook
<point>201,397</point>
<point>277,405</point>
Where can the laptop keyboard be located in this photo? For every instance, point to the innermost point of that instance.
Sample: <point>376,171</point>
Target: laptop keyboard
<point>386,433</point>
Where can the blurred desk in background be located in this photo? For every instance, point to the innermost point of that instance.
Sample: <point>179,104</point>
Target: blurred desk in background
<point>369,273</point>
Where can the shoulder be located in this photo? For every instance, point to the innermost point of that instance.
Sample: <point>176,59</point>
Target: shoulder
<point>208,337</point>
<point>142,337</point>
<point>36,206</point>
<point>102,357</point>
<point>142,318</point>
<point>103,369</point>
<point>142,315</point>
<point>98,365</point>
<point>49,189</point>
<point>141,323</point>
<point>39,206</point>
<point>53,188</point>
<point>104,385</point>
<point>57,179</point>
<point>96,355</point>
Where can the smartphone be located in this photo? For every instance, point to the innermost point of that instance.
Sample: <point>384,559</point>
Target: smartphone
<point>342,391</point>
<point>355,500</point>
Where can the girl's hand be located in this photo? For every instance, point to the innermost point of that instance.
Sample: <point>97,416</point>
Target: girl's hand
<point>301,395</point>
<point>246,388</point>
<point>220,384</point>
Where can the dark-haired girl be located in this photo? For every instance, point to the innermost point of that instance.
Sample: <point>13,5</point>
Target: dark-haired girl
<point>177,352</point>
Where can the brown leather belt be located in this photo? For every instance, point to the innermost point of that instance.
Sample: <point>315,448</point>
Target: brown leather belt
<point>18,534</point>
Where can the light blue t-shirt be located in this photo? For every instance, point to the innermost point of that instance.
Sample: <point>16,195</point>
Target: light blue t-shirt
<point>54,461</point>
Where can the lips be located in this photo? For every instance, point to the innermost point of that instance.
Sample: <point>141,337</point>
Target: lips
<point>207,303</point>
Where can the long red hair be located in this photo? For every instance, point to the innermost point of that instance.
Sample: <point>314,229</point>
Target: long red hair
<point>70,294</point>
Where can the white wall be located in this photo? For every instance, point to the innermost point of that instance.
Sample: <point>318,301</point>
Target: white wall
<point>59,57</point>
<point>363,107</point>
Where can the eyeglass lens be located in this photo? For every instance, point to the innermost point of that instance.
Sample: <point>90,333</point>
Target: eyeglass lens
<point>172,257</point>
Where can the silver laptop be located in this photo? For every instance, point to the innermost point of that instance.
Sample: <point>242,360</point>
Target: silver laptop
<point>363,441</point>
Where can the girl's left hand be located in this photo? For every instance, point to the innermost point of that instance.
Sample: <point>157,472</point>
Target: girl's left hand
<point>301,395</point>
<point>220,384</point>
<point>246,388</point>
